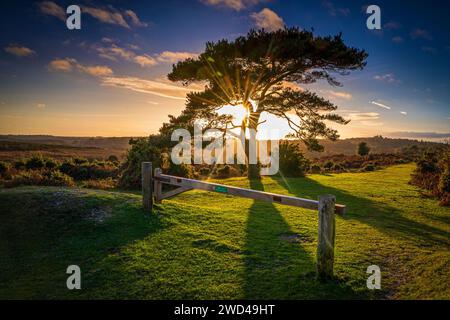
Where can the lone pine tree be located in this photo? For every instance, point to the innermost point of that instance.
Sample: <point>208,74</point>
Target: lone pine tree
<point>262,72</point>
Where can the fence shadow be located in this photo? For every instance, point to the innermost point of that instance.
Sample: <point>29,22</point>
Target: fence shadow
<point>276,263</point>
<point>384,218</point>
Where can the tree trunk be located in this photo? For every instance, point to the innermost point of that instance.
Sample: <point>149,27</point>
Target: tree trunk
<point>253,170</point>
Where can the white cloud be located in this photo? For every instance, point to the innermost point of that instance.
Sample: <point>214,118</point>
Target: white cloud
<point>233,4</point>
<point>69,64</point>
<point>52,9</point>
<point>110,15</point>
<point>63,65</point>
<point>420,34</point>
<point>397,39</point>
<point>145,60</point>
<point>362,116</point>
<point>113,52</point>
<point>96,71</point>
<point>19,51</point>
<point>154,87</point>
<point>40,105</point>
<point>172,57</point>
<point>380,105</point>
<point>333,11</point>
<point>391,25</point>
<point>388,77</point>
<point>340,94</point>
<point>404,113</point>
<point>135,19</point>
<point>267,19</point>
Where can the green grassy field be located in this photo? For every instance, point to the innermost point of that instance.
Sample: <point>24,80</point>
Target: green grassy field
<point>203,245</point>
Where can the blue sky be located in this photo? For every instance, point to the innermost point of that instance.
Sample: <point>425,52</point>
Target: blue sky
<point>109,78</point>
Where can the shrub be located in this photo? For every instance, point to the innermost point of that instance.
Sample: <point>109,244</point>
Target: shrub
<point>151,149</point>
<point>113,158</point>
<point>369,167</point>
<point>35,162</point>
<point>223,172</point>
<point>36,178</point>
<point>328,165</point>
<point>315,168</point>
<point>182,170</point>
<point>338,168</point>
<point>292,162</point>
<point>363,149</point>
<point>67,167</point>
<point>80,161</point>
<point>205,171</point>
<point>19,165</point>
<point>4,167</point>
<point>50,164</point>
<point>444,181</point>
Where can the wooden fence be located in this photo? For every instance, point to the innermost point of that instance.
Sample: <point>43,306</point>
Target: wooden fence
<point>326,206</point>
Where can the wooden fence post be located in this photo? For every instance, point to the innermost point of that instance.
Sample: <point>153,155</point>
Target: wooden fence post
<point>147,194</point>
<point>158,186</point>
<point>325,244</point>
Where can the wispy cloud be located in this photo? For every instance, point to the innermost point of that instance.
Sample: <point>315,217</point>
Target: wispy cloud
<point>69,65</point>
<point>114,52</point>
<point>361,116</point>
<point>40,105</point>
<point>418,33</point>
<point>232,4</point>
<point>404,113</point>
<point>431,50</point>
<point>333,10</point>
<point>52,9</point>
<point>380,105</point>
<point>340,94</point>
<point>172,57</point>
<point>392,25</point>
<point>19,51</point>
<point>388,77</point>
<point>397,39</point>
<point>63,65</point>
<point>110,15</point>
<point>135,19</point>
<point>267,19</point>
<point>157,88</point>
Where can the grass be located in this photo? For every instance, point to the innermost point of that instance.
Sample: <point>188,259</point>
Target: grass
<point>202,245</point>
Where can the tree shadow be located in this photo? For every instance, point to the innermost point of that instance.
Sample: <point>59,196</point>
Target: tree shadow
<point>276,263</point>
<point>384,218</point>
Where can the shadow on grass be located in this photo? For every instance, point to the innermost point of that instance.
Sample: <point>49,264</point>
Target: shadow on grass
<point>276,264</point>
<point>383,217</point>
<point>53,229</point>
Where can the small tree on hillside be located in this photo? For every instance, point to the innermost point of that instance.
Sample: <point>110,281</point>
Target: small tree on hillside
<point>363,149</point>
<point>261,72</point>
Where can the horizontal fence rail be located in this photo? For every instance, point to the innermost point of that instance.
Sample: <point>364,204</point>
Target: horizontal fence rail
<point>242,192</point>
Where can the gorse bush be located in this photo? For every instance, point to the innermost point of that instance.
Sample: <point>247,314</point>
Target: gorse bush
<point>35,162</point>
<point>3,168</point>
<point>433,174</point>
<point>36,178</point>
<point>292,161</point>
<point>19,165</point>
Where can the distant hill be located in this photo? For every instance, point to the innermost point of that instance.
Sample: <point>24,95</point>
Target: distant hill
<point>14,147</point>
<point>19,146</point>
<point>377,144</point>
